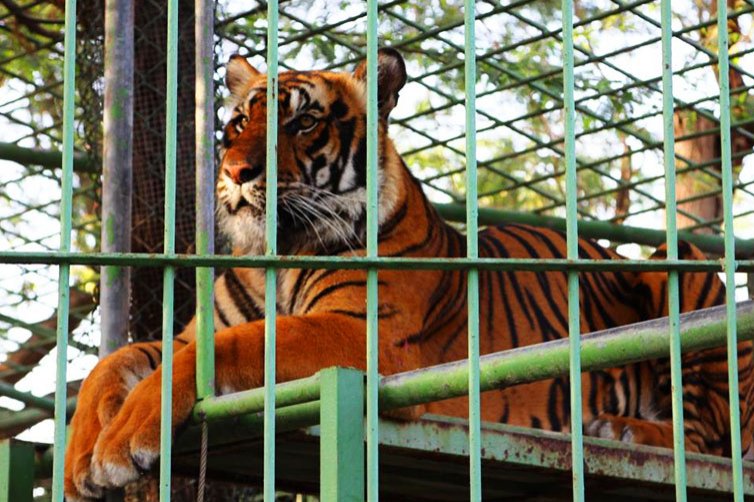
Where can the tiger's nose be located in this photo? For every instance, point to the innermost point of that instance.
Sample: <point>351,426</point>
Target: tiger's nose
<point>240,173</point>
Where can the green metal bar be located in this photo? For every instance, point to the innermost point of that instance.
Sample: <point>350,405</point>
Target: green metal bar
<point>700,330</point>
<point>730,250</point>
<point>16,471</point>
<point>204,11</point>
<point>452,212</point>
<point>341,445</point>
<point>171,113</point>
<point>66,196</point>
<point>572,245</point>
<point>270,286</point>
<point>362,263</point>
<point>42,403</point>
<point>472,252</point>
<point>609,348</point>
<point>372,348</point>
<point>679,452</point>
<point>223,432</point>
<point>286,394</point>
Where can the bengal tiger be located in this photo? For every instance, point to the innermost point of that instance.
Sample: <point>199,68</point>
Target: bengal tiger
<point>422,314</point>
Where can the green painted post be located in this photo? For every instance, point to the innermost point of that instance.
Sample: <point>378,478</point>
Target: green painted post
<point>672,254</point>
<point>204,29</point>
<point>572,236</point>
<point>16,471</point>
<point>372,348</point>
<point>341,442</point>
<point>270,290</point>
<point>66,196</point>
<point>730,250</point>
<point>166,404</point>
<point>472,239</point>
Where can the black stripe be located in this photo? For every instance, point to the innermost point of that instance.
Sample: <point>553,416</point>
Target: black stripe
<point>241,298</point>
<point>335,287</point>
<point>221,314</point>
<point>701,300</point>
<point>152,363</point>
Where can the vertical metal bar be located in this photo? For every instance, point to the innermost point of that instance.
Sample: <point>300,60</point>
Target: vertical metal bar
<point>572,237</point>
<point>472,217</point>
<point>372,421</point>
<point>341,442</point>
<point>730,250</point>
<point>679,453</point>
<point>171,111</point>
<point>66,196</point>
<point>204,31</point>
<point>16,471</point>
<point>270,290</point>
<point>117,141</point>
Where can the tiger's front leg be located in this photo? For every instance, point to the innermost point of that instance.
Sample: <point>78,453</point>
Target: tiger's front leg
<point>305,344</point>
<point>100,398</point>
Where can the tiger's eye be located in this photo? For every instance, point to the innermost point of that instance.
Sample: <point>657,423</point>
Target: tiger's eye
<point>306,121</point>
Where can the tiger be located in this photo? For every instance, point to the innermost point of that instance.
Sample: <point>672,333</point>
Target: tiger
<point>422,314</point>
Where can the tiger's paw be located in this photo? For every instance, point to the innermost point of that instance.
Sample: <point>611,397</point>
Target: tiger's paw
<point>95,409</point>
<point>610,427</point>
<point>631,430</point>
<point>130,445</point>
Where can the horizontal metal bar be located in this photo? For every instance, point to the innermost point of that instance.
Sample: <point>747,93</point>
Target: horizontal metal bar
<point>360,262</point>
<point>226,431</point>
<point>605,349</point>
<point>286,394</point>
<point>700,329</point>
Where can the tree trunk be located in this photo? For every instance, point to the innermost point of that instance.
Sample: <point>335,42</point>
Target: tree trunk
<point>698,150</point>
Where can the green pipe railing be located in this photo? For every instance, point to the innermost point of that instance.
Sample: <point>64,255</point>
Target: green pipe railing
<point>702,329</point>
<point>270,278</point>
<point>205,195</point>
<point>572,250</point>
<point>61,360</point>
<point>679,445</point>
<point>372,321</point>
<point>472,252</point>
<point>730,251</point>
<point>168,283</point>
<point>361,263</point>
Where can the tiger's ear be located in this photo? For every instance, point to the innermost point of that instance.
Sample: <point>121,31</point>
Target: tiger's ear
<point>391,77</point>
<point>238,71</point>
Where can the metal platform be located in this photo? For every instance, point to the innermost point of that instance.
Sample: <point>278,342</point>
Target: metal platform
<point>427,460</point>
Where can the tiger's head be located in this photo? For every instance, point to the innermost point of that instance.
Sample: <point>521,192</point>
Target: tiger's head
<point>321,156</point>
